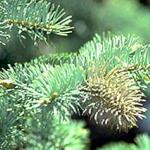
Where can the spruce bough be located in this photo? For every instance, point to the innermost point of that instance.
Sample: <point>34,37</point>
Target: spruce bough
<point>105,79</point>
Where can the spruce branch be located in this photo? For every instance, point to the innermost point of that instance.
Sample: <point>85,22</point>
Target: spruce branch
<point>126,52</point>
<point>113,99</point>
<point>38,98</point>
<point>58,89</point>
<point>47,132</point>
<point>101,78</point>
<point>122,51</point>
<point>37,18</point>
<point>43,85</point>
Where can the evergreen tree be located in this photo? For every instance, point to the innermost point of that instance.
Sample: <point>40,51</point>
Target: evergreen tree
<point>105,80</point>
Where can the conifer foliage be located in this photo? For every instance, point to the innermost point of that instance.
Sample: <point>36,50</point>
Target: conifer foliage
<point>33,17</point>
<point>105,80</point>
<point>142,142</point>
